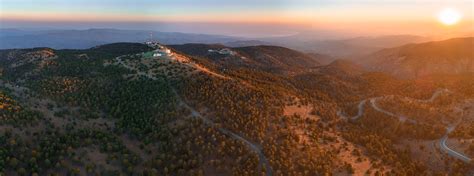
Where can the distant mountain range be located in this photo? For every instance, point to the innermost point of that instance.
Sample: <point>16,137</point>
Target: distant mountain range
<point>340,48</point>
<point>82,39</point>
<point>347,48</point>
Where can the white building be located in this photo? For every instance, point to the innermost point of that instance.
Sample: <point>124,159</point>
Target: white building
<point>157,54</point>
<point>226,51</point>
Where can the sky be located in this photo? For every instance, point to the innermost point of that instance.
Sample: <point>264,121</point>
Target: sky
<point>241,17</point>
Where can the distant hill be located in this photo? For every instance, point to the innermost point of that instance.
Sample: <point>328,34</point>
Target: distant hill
<point>270,58</point>
<point>342,67</point>
<point>243,43</point>
<point>349,47</point>
<point>82,39</point>
<point>414,60</point>
<point>275,55</point>
<point>122,48</point>
<point>197,49</point>
<point>322,58</point>
<point>387,41</point>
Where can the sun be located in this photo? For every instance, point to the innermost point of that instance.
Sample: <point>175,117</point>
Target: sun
<point>449,16</point>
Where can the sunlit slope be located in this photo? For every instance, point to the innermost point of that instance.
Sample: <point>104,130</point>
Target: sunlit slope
<point>452,56</point>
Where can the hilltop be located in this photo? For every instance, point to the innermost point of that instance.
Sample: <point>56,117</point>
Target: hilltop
<point>270,58</point>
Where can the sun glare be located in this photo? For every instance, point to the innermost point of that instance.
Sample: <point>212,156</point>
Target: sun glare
<point>449,16</point>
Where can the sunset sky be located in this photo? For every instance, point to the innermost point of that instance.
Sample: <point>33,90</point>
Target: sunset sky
<point>278,17</point>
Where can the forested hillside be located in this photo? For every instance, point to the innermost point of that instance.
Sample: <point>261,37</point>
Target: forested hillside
<point>263,110</point>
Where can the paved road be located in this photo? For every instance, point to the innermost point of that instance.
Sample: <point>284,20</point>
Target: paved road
<point>451,152</point>
<point>359,113</point>
<point>374,105</point>
<point>254,147</point>
<point>401,118</point>
<point>442,141</point>
<point>434,96</point>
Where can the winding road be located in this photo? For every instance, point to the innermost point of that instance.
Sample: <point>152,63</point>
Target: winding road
<point>401,118</point>
<point>263,161</point>
<point>442,142</point>
<point>359,113</point>
<point>451,152</point>
<point>257,149</point>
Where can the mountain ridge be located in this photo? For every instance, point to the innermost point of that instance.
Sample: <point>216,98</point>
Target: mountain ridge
<point>422,59</point>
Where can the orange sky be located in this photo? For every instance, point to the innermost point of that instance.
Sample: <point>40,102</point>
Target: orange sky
<point>388,16</point>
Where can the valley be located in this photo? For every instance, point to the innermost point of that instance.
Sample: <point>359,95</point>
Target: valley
<point>154,109</point>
